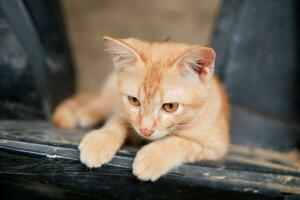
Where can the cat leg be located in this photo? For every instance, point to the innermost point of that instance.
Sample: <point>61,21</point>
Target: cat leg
<point>99,146</point>
<point>87,110</point>
<point>158,157</point>
<point>81,110</point>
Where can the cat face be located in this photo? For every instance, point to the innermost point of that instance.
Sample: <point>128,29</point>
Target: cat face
<point>163,85</point>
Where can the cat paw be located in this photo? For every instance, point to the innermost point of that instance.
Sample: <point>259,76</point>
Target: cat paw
<point>97,148</point>
<point>150,164</point>
<point>64,117</point>
<point>85,118</point>
<point>70,118</point>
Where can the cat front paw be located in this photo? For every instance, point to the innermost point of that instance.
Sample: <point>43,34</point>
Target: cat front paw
<point>150,164</point>
<point>97,148</point>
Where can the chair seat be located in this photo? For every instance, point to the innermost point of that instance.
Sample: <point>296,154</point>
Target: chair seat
<point>32,151</point>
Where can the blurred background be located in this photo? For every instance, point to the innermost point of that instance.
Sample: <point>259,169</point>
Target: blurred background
<point>184,21</point>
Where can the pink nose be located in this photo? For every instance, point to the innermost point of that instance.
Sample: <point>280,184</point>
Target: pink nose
<point>146,132</point>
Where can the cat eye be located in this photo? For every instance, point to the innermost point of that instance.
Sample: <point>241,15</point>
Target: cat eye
<point>170,107</point>
<point>133,101</point>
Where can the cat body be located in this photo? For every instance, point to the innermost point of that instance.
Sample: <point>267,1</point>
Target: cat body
<point>167,93</point>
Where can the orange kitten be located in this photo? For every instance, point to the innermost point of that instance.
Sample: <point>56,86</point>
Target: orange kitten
<point>167,93</point>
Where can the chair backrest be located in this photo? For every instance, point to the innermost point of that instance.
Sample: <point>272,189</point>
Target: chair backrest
<point>257,45</point>
<point>35,65</point>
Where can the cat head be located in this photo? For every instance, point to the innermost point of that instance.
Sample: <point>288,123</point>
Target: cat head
<point>163,85</point>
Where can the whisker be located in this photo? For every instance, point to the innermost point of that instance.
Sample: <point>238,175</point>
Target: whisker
<point>180,126</point>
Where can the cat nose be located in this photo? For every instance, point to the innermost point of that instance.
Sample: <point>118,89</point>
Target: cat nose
<point>146,132</point>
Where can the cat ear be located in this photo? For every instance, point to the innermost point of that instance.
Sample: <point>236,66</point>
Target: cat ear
<point>199,60</point>
<point>123,55</point>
